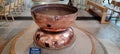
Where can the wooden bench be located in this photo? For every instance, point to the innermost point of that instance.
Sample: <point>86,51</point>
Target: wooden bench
<point>95,6</point>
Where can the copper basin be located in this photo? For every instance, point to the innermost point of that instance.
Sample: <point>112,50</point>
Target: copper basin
<point>54,17</point>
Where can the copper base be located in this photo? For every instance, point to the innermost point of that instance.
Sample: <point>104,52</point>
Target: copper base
<point>54,40</point>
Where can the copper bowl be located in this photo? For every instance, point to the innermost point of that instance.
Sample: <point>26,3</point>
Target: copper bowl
<point>54,17</point>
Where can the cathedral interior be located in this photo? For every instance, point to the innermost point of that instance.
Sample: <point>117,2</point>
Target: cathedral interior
<point>60,26</point>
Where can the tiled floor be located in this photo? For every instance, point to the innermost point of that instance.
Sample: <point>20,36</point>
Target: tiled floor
<point>107,34</point>
<point>9,30</point>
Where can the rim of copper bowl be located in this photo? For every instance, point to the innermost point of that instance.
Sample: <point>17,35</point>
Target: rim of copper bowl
<point>52,5</point>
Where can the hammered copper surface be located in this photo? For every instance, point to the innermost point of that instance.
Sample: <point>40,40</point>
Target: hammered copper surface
<point>54,17</point>
<point>54,40</point>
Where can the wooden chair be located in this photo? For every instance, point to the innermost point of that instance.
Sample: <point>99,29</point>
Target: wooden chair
<point>12,9</point>
<point>116,9</point>
<point>102,9</point>
<point>5,12</point>
<point>21,5</point>
<point>16,8</point>
<point>2,2</point>
<point>81,4</point>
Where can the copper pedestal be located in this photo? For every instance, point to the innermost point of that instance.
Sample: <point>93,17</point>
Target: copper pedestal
<point>55,21</point>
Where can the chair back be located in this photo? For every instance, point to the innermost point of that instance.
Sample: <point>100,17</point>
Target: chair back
<point>7,8</point>
<point>19,1</point>
<point>12,5</point>
<point>22,1</point>
<point>16,3</point>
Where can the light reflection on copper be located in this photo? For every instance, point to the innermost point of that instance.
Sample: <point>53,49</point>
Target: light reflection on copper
<point>55,41</point>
